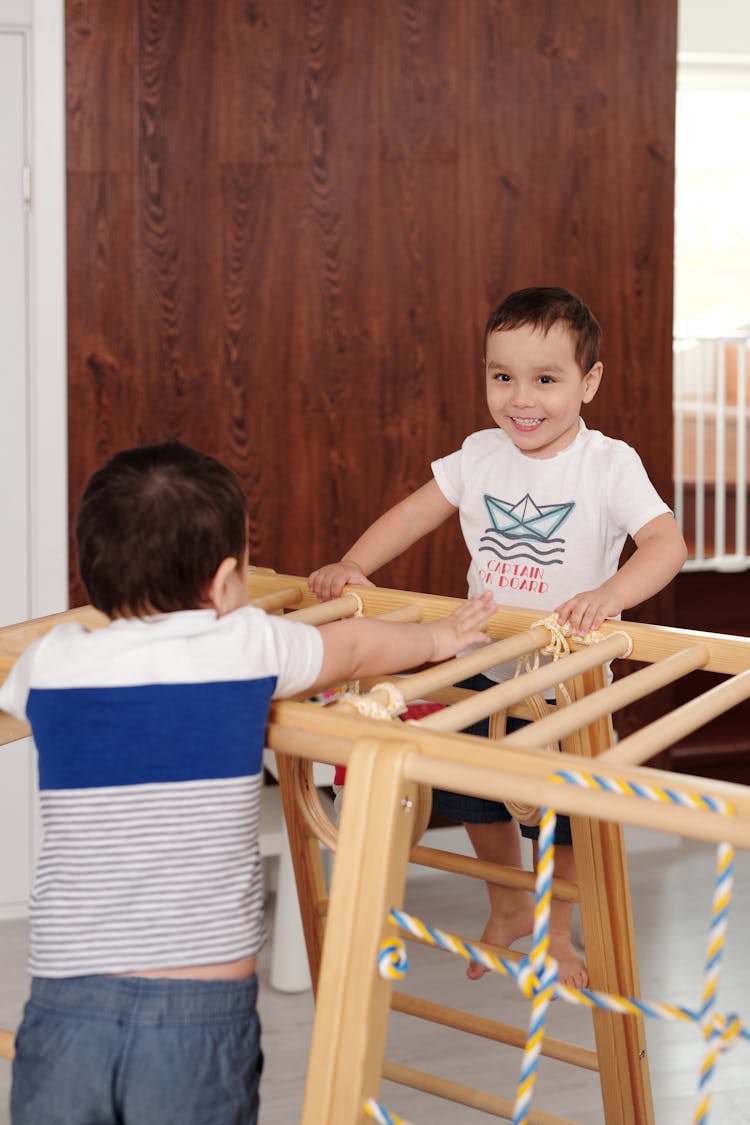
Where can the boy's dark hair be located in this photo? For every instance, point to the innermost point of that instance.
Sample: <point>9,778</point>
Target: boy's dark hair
<point>153,526</point>
<point>542,307</point>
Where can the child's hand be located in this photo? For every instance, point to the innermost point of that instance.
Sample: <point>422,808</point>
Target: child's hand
<point>586,611</point>
<point>461,628</point>
<point>328,581</point>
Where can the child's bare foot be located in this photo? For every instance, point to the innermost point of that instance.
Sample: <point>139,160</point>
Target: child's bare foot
<point>503,930</point>
<point>571,968</point>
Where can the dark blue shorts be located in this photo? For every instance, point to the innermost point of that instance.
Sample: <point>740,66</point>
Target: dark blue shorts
<point>138,1051</point>
<point>477,810</point>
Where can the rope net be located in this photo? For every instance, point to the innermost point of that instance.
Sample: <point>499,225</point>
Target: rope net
<point>536,975</point>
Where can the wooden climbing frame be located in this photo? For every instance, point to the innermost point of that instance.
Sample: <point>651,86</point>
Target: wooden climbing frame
<point>391,767</point>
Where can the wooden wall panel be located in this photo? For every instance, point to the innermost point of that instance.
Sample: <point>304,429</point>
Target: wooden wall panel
<point>288,221</point>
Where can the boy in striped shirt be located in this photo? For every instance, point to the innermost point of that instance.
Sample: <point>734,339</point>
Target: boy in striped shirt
<point>146,913</point>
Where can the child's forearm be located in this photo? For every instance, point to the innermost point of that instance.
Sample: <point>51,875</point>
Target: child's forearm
<point>399,528</point>
<point>369,647</point>
<point>390,535</point>
<point>660,552</point>
<point>658,557</point>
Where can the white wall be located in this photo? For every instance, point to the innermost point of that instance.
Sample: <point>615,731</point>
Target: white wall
<point>44,467</point>
<point>44,23</point>
<point>717,26</point>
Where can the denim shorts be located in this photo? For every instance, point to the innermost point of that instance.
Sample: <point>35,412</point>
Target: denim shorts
<point>102,1050</point>
<point>478,810</point>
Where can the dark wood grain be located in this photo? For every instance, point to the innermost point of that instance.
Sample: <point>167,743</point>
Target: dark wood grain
<point>289,220</point>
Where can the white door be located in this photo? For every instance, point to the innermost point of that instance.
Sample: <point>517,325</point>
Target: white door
<point>16,760</point>
<point>14,352</point>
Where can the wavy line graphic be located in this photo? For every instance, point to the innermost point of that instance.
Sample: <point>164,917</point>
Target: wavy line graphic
<point>542,560</point>
<point>516,544</point>
<point>491,533</point>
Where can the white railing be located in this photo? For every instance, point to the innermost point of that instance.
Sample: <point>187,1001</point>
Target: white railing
<point>711,429</point>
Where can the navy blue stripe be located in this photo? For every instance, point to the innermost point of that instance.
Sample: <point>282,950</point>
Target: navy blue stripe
<point>92,737</point>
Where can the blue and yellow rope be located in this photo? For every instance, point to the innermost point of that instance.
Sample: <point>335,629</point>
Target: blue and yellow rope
<point>536,975</point>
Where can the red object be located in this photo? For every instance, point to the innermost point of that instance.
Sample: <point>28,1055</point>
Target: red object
<point>416,710</point>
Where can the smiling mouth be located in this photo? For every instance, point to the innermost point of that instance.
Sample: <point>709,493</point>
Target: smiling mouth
<point>526,423</point>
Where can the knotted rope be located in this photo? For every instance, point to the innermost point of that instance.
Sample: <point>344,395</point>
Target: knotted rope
<point>557,647</point>
<point>373,708</point>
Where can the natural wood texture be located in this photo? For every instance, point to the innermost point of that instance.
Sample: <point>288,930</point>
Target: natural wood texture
<point>727,653</point>
<point>288,221</point>
<point>450,762</point>
<point>353,1001</point>
<point>606,916</point>
<point>282,599</point>
<point>523,776</point>
<point>659,735</point>
<point>491,1029</point>
<point>609,699</point>
<point>490,872</point>
<point>465,1095</point>
<point>467,711</point>
<point>608,934</point>
<point>310,878</point>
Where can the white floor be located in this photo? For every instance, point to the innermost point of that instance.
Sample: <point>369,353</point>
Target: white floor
<point>672,892</point>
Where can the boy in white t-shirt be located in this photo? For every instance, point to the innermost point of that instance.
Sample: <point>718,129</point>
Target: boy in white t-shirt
<point>545,506</point>
<point>147,912</point>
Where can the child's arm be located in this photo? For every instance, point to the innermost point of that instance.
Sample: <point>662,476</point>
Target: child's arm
<point>659,555</point>
<point>365,646</point>
<point>390,535</point>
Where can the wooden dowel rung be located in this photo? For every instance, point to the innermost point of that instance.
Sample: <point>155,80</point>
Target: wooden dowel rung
<point>7,1044</point>
<point>465,1095</point>
<point>485,703</point>
<point>324,612</point>
<point>446,695</point>
<point>486,781</point>
<point>645,743</point>
<point>491,1029</point>
<point>478,660</point>
<point>565,720</point>
<point>485,769</point>
<point>451,671</point>
<point>402,613</point>
<point>279,599</point>
<point>499,874</point>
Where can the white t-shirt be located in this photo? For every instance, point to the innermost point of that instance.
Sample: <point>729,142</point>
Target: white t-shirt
<point>542,530</point>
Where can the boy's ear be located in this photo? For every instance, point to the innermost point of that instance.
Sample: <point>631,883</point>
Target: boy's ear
<point>217,594</point>
<point>591,381</point>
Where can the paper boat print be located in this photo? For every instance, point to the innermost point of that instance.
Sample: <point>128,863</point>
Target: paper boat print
<point>525,519</point>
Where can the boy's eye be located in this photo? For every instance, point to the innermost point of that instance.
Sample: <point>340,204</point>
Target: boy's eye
<point>546,379</point>
<point>502,377</point>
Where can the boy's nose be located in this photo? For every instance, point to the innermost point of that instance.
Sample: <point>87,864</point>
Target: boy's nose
<point>522,396</point>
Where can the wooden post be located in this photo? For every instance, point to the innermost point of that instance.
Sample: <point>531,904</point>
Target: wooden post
<point>353,1004</point>
<point>609,937</point>
<point>307,863</point>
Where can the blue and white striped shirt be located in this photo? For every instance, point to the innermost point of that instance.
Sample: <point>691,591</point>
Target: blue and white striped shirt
<point>150,737</point>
